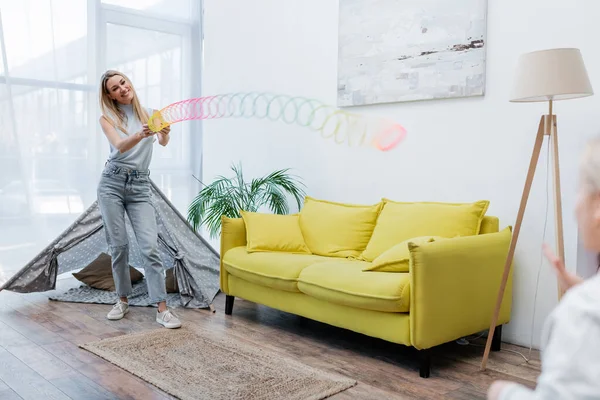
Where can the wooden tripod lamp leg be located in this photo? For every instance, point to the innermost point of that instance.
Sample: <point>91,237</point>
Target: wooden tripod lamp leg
<point>560,242</point>
<point>515,236</point>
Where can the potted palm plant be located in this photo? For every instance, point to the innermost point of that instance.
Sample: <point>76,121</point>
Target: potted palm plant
<point>229,195</point>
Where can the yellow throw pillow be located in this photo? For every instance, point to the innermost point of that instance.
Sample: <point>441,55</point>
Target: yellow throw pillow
<point>401,221</point>
<point>397,259</point>
<point>336,229</point>
<point>273,232</point>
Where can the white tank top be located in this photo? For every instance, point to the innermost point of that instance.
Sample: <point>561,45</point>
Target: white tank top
<point>139,157</point>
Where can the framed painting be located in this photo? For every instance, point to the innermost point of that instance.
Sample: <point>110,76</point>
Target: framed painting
<point>409,50</point>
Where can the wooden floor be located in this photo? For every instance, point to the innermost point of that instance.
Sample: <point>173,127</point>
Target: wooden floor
<point>40,358</point>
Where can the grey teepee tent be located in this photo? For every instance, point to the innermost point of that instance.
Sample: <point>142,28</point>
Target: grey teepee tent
<point>195,262</point>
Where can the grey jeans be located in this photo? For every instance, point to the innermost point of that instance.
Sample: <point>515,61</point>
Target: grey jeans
<point>123,190</point>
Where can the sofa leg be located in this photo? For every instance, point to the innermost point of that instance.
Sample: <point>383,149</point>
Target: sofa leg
<point>229,304</point>
<point>497,339</point>
<point>424,363</point>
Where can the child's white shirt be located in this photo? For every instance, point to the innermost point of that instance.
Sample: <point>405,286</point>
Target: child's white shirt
<point>570,349</point>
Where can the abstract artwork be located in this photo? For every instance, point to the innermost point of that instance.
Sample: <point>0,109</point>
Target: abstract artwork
<point>408,50</point>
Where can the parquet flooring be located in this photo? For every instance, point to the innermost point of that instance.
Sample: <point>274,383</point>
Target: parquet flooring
<point>40,357</point>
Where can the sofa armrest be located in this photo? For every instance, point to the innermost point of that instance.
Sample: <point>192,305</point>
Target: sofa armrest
<point>489,224</point>
<point>454,285</point>
<point>233,234</point>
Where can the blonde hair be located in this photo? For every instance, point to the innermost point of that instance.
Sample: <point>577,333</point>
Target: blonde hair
<point>110,108</point>
<point>590,166</point>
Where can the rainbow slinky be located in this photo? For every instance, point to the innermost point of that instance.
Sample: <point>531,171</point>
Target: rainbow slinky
<point>331,122</point>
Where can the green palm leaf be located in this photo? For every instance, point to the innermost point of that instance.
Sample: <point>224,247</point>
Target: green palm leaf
<point>202,201</point>
<point>272,196</point>
<point>228,196</point>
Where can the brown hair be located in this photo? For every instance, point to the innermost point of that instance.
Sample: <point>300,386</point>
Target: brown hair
<point>110,108</point>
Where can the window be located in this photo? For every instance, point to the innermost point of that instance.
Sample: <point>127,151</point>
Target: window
<point>182,9</point>
<point>52,53</point>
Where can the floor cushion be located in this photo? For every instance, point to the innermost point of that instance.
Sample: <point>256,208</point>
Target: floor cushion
<point>171,282</point>
<point>98,274</point>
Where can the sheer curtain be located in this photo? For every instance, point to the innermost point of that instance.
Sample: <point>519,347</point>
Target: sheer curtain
<point>52,53</point>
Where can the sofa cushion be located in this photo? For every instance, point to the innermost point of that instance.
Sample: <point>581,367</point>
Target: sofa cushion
<point>397,258</point>
<point>398,222</point>
<point>337,229</point>
<point>344,282</point>
<point>271,269</point>
<point>273,232</point>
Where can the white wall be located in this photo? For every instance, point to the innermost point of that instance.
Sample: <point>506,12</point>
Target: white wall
<point>456,150</point>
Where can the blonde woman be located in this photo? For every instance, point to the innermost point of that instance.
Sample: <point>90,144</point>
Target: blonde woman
<point>125,188</point>
<point>571,336</point>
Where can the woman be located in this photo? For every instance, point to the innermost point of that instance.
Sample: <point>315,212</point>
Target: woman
<point>125,187</point>
<point>571,338</point>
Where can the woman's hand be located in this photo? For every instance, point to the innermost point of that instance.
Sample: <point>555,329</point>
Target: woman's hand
<point>163,135</point>
<point>566,279</point>
<point>146,132</point>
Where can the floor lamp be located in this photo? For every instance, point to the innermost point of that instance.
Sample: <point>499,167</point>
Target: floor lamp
<point>546,75</point>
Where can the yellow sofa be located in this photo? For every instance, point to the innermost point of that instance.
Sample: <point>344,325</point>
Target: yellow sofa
<point>449,290</point>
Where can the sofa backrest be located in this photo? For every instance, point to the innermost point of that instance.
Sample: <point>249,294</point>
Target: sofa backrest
<point>489,224</point>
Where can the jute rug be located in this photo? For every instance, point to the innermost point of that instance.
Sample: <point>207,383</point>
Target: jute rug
<point>193,363</point>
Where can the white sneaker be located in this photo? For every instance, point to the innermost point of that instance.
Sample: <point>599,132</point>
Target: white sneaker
<point>118,311</point>
<point>168,319</point>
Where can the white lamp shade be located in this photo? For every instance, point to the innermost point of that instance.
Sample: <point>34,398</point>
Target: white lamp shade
<point>555,74</point>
